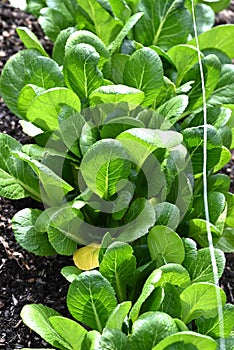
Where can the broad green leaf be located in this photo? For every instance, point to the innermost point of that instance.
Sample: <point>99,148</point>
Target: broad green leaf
<point>17,180</point>
<point>172,110</point>
<point>230,212</point>
<point>201,299</point>
<point>81,71</point>
<point>113,127</point>
<point>27,67</point>
<point>26,96</point>
<point>156,325</point>
<point>116,93</point>
<point>54,21</point>
<point>167,214</point>
<point>61,242</point>
<point>187,338</point>
<point>91,341</point>
<point>190,248</point>
<point>212,70</point>
<point>144,71</point>
<point>86,37</point>
<point>201,269</point>
<point>184,57</point>
<point>217,6</point>
<point>229,343</point>
<point>174,274</point>
<point>30,40</point>
<point>44,109</point>
<point>211,327</point>
<point>113,339</point>
<point>216,36</point>
<point>58,52</point>
<point>170,19</point>
<point>138,220</point>
<point>167,91</point>
<point>222,93</point>
<point>218,182</point>
<point>34,7</point>
<point>115,45</point>
<point>104,167</point>
<point>120,9</point>
<point>117,317</point>
<point>198,231</point>
<point>205,18</point>
<point>118,267</point>
<point>53,188</point>
<point>216,203</point>
<point>23,225</point>
<point>194,141</point>
<point>69,330</point>
<point>91,299</point>
<point>171,301</point>
<point>86,258</point>
<point>147,289</point>
<point>70,273</point>
<point>165,246</point>
<point>226,241</point>
<point>118,63</point>
<point>37,317</point>
<point>106,27</point>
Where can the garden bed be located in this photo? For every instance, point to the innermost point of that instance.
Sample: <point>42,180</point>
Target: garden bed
<point>24,277</point>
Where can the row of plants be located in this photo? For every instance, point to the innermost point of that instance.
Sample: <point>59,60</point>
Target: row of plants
<point>117,118</point>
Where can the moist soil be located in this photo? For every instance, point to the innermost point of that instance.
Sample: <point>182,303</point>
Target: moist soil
<point>24,277</point>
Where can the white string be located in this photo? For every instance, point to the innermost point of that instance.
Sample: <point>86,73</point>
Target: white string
<point>205,189</point>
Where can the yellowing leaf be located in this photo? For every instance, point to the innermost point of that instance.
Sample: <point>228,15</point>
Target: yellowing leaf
<point>86,258</point>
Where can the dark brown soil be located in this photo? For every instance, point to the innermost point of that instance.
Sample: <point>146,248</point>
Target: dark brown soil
<point>25,278</point>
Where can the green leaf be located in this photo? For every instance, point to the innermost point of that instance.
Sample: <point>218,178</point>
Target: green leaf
<point>117,317</point>
<point>198,231</point>
<point>69,330</point>
<point>147,290</point>
<point>174,274</point>
<point>212,70</point>
<point>17,180</point>
<point>115,45</point>
<point>54,21</point>
<point>113,127</point>
<point>30,40</point>
<point>156,325</point>
<point>116,93</point>
<point>118,267</point>
<point>113,339</point>
<point>194,141</point>
<point>170,19</point>
<point>86,37</point>
<point>34,7</point>
<point>184,57</point>
<point>53,188</point>
<point>201,268</point>
<point>91,341</point>
<point>70,273</point>
<point>118,63</point>
<point>81,71</point>
<point>216,36</point>
<point>138,220</point>
<point>226,241</point>
<point>26,96</point>
<point>222,93</point>
<point>27,67</point>
<point>191,338</point>
<point>104,167</point>
<point>120,9</point>
<point>44,109</point>
<point>58,53</point>
<point>211,327</point>
<point>167,214</point>
<point>23,225</point>
<point>37,317</point>
<point>165,246</point>
<point>172,109</point>
<point>91,299</point>
<point>106,27</point>
<point>144,71</point>
<point>205,18</point>
<point>201,299</point>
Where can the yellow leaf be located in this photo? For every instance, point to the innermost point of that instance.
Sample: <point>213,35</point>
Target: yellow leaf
<point>86,258</point>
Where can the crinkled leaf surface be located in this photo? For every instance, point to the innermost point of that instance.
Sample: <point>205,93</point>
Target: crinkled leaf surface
<point>116,93</point>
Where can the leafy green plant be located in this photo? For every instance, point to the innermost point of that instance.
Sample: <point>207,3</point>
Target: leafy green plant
<point>127,305</point>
